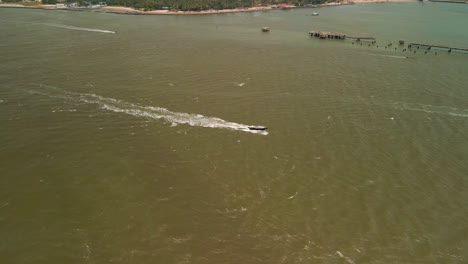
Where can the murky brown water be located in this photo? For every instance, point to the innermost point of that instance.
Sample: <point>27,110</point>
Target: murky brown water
<point>134,147</point>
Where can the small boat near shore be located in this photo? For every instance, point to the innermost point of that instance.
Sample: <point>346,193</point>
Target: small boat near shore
<point>265,29</point>
<point>314,14</point>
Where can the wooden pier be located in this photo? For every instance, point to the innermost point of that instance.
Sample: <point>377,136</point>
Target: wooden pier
<point>436,46</point>
<point>371,39</point>
<point>325,35</point>
<point>337,35</point>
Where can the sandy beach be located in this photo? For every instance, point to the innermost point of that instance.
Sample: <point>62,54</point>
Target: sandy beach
<point>130,11</point>
<point>383,1</point>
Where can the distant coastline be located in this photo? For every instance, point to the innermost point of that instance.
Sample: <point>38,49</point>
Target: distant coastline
<point>131,11</point>
<point>383,1</point>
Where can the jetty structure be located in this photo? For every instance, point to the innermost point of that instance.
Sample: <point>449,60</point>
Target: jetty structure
<point>401,42</point>
<point>368,39</point>
<point>429,46</point>
<point>325,35</point>
<point>337,35</point>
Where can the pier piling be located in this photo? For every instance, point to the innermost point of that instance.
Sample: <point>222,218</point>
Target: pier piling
<point>430,46</point>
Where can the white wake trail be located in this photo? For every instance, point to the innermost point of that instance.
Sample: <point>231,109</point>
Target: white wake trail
<point>388,56</point>
<point>81,28</point>
<point>151,112</point>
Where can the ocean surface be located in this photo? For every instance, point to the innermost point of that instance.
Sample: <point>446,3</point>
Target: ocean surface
<point>125,139</point>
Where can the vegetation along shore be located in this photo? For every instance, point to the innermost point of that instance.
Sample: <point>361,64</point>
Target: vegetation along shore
<point>181,7</point>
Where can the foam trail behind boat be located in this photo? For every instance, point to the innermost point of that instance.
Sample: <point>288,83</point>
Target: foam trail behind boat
<point>80,28</point>
<point>152,112</point>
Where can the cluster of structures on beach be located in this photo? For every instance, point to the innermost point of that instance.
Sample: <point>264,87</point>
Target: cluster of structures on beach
<point>79,5</point>
<point>84,4</point>
<point>54,4</point>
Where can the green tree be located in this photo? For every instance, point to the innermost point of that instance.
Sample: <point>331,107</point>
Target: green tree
<point>197,5</point>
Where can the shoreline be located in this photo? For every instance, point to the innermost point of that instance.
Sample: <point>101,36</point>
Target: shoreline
<point>130,11</point>
<point>384,1</point>
<point>122,10</point>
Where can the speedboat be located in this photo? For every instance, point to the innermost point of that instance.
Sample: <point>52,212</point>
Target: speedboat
<point>257,128</point>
